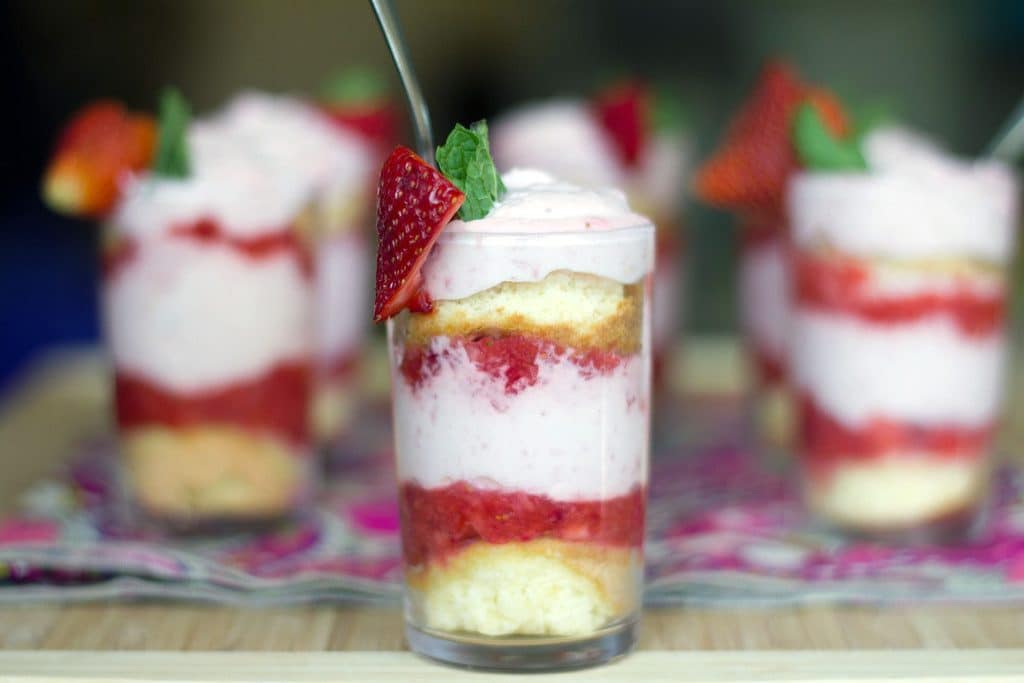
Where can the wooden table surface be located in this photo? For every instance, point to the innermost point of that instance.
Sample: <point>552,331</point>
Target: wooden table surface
<point>62,400</point>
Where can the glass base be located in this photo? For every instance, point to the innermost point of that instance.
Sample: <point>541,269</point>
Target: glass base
<point>523,653</point>
<point>947,531</point>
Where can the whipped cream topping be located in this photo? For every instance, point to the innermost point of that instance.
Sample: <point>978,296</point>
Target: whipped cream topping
<point>560,137</point>
<point>563,138</point>
<point>915,202</point>
<point>535,202</point>
<point>255,167</point>
<point>538,227</point>
<point>293,138</point>
<point>226,184</point>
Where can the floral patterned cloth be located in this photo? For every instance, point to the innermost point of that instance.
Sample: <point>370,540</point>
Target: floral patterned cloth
<point>722,530</point>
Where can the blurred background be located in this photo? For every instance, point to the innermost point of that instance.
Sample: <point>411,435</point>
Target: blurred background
<point>953,69</point>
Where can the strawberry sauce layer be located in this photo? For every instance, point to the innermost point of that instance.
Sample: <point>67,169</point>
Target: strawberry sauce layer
<point>514,360</point>
<point>835,284</point>
<point>825,441</point>
<point>207,231</point>
<point>277,402</point>
<point>438,522</point>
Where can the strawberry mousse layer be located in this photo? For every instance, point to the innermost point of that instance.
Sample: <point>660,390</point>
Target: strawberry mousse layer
<point>208,314</point>
<point>899,333</point>
<point>521,406</point>
<point>300,142</point>
<point>565,138</point>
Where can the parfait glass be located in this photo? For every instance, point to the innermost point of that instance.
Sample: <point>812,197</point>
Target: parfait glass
<point>209,324</point>
<point>521,419</point>
<point>899,344</point>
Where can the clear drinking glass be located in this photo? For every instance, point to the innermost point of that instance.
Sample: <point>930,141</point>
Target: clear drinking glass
<point>899,349</point>
<point>764,293</point>
<point>522,452</point>
<point>210,334</point>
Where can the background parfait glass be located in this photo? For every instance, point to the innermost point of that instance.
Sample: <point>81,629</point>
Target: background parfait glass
<point>899,345</point>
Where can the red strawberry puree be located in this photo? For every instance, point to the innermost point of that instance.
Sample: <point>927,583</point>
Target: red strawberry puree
<point>276,402</point>
<point>207,231</point>
<point>839,285</point>
<point>513,359</point>
<point>441,521</point>
<point>825,441</point>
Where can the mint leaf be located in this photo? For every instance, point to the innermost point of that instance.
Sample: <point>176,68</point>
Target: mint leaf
<point>465,159</point>
<point>818,149</point>
<point>172,159</point>
<point>357,85</point>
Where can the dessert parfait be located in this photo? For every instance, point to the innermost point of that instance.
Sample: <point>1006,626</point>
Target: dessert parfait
<point>518,324</point>
<point>207,304</point>
<point>899,344</point>
<point>748,176</point>
<point>335,148</point>
<point>626,137</point>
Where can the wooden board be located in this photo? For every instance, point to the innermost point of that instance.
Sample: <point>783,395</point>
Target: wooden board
<point>64,400</point>
<point>675,667</point>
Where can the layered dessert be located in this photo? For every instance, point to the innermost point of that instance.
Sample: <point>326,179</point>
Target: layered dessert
<point>899,326</point>
<point>207,300</point>
<point>748,176</point>
<point>335,149</point>
<point>520,382</point>
<point>626,138</point>
<point>207,290</point>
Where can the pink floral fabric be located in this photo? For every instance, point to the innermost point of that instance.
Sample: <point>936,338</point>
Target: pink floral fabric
<point>722,530</point>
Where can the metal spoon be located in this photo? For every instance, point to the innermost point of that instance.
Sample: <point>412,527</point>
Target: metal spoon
<point>388,22</point>
<point>1009,143</point>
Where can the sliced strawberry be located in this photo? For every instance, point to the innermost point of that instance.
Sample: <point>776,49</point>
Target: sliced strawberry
<point>100,144</point>
<point>376,122</point>
<point>622,110</point>
<point>750,169</point>
<point>414,203</point>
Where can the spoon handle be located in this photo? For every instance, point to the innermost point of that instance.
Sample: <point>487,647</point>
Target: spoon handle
<point>1009,143</point>
<point>388,22</point>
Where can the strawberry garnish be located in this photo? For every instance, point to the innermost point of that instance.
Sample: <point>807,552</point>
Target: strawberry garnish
<point>102,143</point>
<point>414,203</point>
<point>358,100</point>
<point>750,169</point>
<point>622,112</point>
<point>377,123</point>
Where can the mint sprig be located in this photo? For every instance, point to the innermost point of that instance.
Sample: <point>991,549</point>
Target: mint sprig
<point>465,159</point>
<point>356,85</point>
<point>819,149</point>
<point>172,158</point>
